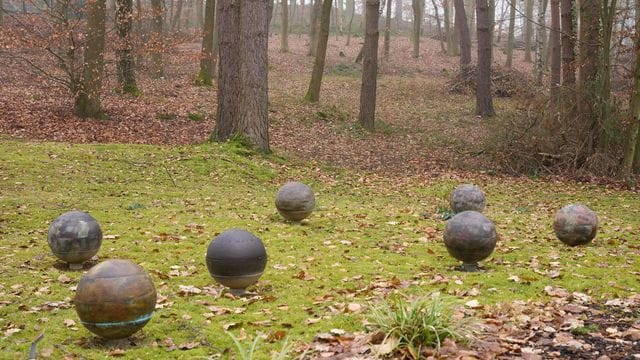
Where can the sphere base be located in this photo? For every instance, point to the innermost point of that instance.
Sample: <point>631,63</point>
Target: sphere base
<point>473,267</point>
<point>76,266</point>
<point>238,292</point>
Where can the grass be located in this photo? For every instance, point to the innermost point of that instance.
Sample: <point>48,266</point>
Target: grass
<point>161,206</point>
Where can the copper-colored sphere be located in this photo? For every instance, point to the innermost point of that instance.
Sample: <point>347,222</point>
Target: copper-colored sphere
<point>75,237</point>
<point>115,299</point>
<point>295,201</point>
<point>575,224</point>
<point>470,237</point>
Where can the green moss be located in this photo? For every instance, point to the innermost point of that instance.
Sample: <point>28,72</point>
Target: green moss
<point>195,116</point>
<point>203,79</point>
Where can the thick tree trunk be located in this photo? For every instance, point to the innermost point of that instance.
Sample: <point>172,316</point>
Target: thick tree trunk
<point>199,17</point>
<point>125,66</point>
<point>471,14</point>
<point>555,52</point>
<point>175,21</point>
<point>228,69</point>
<point>528,34</point>
<point>484,101</point>
<point>87,102</point>
<point>313,93</point>
<point>315,27</point>
<point>465,37</point>
<point>568,42</point>
<point>418,11</point>
<point>631,152</point>
<point>253,110</point>
<point>387,30</point>
<point>448,33</point>
<point>369,67</point>
<point>205,75</point>
<point>284,27</point>
<point>156,41</point>
<point>512,26</point>
<point>440,35</point>
<point>604,75</point>
<point>588,71</point>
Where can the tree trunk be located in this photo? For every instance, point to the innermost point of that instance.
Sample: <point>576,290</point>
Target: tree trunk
<point>313,93</point>
<point>447,26</point>
<point>568,43</point>
<point>87,103</point>
<point>340,16</point>
<point>175,21</point>
<point>528,34</point>
<point>631,151</point>
<point>205,76</point>
<point>465,37</point>
<point>418,10</point>
<point>503,15</point>
<point>353,13</point>
<point>369,67</point>
<point>540,36</point>
<point>555,52</point>
<point>588,71</point>
<point>125,66</point>
<point>1,14</point>
<point>471,12</point>
<point>440,35</point>
<point>398,15</point>
<point>228,69</point>
<point>604,71</point>
<point>314,27</point>
<point>484,101</point>
<point>284,27</point>
<point>156,40</point>
<point>270,6</point>
<point>199,17</point>
<point>253,109</point>
<point>387,30</point>
<point>512,25</point>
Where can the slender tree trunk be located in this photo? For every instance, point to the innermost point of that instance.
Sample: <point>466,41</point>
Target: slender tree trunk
<point>604,71</point>
<point>484,101</point>
<point>229,69</point>
<point>284,27</point>
<point>540,35</point>
<point>314,27</point>
<point>1,14</point>
<point>588,71</point>
<point>398,15</point>
<point>270,6</point>
<point>340,16</point>
<point>418,11</point>
<point>175,21</point>
<point>440,35</point>
<point>528,34</point>
<point>125,66</point>
<point>512,25</point>
<point>631,151</point>
<point>87,102</point>
<point>471,12</point>
<point>205,76</point>
<point>353,13</point>
<point>253,110</point>
<point>465,37</point>
<point>447,26</point>
<point>156,40</point>
<point>555,52</point>
<point>369,67</point>
<point>199,17</point>
<point>387,30</point>
<point>455,38</point>
<point>313,93</point>
<point>568,43</point>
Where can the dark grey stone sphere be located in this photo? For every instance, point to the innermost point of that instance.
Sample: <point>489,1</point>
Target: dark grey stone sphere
<point>575,224</point>
<point>75,237</point>
<point>295,201</point>
<point>236,259</point>
<point>467,197</point>
<point>470,237</point>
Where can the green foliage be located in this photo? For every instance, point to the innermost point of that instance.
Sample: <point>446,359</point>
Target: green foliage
<point>584,330</point>
<point>250,352</point>
<point>421,322</point>
<point>131,89</point>
<point>193,116</point>
<point>349,69</point>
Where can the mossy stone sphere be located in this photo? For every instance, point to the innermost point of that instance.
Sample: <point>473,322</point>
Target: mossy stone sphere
<point>115,298</point>
<point>75,237</point>
<point>470,237</point>
<point>575,224</point>
<point>295,201</point>
<point>236,259</point>
<point>467,197</point>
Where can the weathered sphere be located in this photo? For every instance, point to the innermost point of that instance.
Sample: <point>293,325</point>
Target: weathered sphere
<point>575,224</point>
<point>295,201</point>
<point>467,197</point>
<point>74,237</point>
<point>236,259</point>
<point>470,237</point>
<point>115,299</point>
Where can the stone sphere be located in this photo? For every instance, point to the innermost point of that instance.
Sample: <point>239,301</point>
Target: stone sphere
<point>575,224</point>
<point>74,237</point>
<point>470,237</point>
<point>115,299</point>
<point>236,259</point>
<point>467,197</point>
<point>295,201</point>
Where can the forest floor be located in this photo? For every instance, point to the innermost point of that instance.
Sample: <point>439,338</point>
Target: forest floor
<point>532,301</point>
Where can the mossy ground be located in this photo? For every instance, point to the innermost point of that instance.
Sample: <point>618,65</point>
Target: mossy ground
<point>161,206</point>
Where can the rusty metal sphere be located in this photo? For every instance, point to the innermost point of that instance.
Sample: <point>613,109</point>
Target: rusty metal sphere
<point>236,259</point>
<point>295,201</point>
<point>75,237</point>
<point>115,299</point>
<point>575,224</point>
<point>467,197</point>
<point>470,237</point>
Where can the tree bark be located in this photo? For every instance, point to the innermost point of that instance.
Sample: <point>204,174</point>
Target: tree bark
<point>555,52</point>
<point>608,9</point>
<point>228,69</point>
<point>125,66</point>
<point>528,34</point>
<point>314,27</point>
<point>313,93</point>
<point>588,71</point>
<point>369,67</point>
<point>540,36</point>
<point>440,35</point>
<point>205,75</point>
<point>398,14</point>
<point>284,27</point>
<point>631,151</point>
<point>175,21</point>
<point>1,13</point>
<point>484,101</point>
<point>87,102</point>
<point>387,30</point>
<point>447,26</point>
<point>352,13</point>
<point>156,40</point>
<point>568,42</point>
<point>418,11</point>
<point>512,25</point>
<point>465,37</point>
